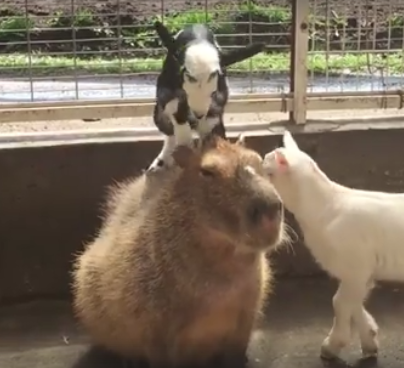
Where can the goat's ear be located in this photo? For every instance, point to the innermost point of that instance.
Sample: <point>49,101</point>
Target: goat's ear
<point>281,160</point>
<point>184,156</point>
<point>288,141</point>
<point>241,140</point>
<point>165,37</point>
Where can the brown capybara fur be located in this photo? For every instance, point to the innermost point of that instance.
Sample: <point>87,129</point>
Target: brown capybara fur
<point>178,276</point>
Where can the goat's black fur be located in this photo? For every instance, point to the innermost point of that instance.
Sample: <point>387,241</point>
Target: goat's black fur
<point>171,79</point>
<point>227,58</point>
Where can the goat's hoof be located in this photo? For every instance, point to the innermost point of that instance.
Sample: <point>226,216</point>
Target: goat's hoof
<point>370,351</point>
<point>157,165</point>
<point>330,350</point>
<point>370,343</point>
<point>370,354</point>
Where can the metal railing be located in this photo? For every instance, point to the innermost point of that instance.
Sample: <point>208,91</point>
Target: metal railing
<point>355,58</point>
<point>86,59</point>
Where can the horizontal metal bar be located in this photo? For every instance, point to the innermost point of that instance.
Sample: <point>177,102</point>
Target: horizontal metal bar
<point>78,77</point>
<point>349,94</point>
<point>119,101</point>
<point>116,133</point>
<point>123,109</point>
<point>149,100</point>
<point>77,110</point>
<point>40,138</point>
<point>238,97</point>
<point>355,51</point>
<point>354,102</point>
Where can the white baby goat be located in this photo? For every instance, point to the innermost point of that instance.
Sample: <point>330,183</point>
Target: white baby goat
<point>355,235</point>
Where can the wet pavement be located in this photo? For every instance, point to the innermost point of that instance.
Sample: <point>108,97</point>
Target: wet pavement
<point>299,315</point>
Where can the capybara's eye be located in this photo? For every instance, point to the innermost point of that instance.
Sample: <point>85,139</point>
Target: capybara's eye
<point>207,172</point>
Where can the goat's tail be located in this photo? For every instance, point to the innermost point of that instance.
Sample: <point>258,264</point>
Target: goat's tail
<point>235,56</point>
<point>165,36</point>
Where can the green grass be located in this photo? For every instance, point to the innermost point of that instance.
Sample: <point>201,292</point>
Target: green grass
<point>17,64</point>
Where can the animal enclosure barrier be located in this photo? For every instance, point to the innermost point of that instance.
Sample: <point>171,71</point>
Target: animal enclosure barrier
<point>82,59</point>
<point>356,54</point>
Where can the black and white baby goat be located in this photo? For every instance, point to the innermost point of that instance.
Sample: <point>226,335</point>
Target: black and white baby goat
<point>192,90</point>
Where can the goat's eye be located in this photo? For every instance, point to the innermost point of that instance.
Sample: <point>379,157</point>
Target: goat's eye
<point>212,75</point>
<point>207,172</point>
<point>190,78</point>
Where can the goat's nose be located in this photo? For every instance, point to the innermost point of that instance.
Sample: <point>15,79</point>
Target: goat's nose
<point>259,208</point>
<point>198,116</point>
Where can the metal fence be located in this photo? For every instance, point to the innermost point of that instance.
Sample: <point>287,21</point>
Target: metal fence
<point>83,59</point>
<point>356,54</point>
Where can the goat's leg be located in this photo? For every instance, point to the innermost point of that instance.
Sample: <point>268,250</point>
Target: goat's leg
<point>178,132</point>
<point>348,298</point>
<point>182,127</point>
<point>211,126</point>
<point>182,136</point>
<point>212,123</point>
<point>164,158</point>
<point>165,102</point>
<point>182,133</point>
<point>219,129</point>
<point>368,330</point>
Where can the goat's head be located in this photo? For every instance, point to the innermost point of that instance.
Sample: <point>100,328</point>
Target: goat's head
<point>227,58</point>
<point>200,71</point>
<point>201,60</point>
<point>291,170</point>
<point>197,55</point>
<point>228,186</point>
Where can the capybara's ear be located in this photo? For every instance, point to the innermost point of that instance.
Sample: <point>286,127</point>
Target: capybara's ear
<point>184,156</point>
<point>241,140</point>
<point>211,141</point>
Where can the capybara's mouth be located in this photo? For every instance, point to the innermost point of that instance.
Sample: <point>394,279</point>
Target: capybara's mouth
<point>269,230</point>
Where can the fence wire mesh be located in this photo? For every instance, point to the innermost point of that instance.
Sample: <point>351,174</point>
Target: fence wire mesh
<point>356,45</point>
<point>54,50</point>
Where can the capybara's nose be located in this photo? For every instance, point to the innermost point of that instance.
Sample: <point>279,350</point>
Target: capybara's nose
<point>259,208</point>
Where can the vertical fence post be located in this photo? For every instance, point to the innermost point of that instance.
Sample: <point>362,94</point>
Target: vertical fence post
<point>300,42</point>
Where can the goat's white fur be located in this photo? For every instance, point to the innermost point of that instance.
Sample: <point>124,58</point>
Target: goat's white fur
<point>201,60</point>
<point>355,235</point>
<point>205,126</point>
<point>182,136</point>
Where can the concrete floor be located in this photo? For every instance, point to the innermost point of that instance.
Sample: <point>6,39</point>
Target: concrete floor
<point>43,335</point>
